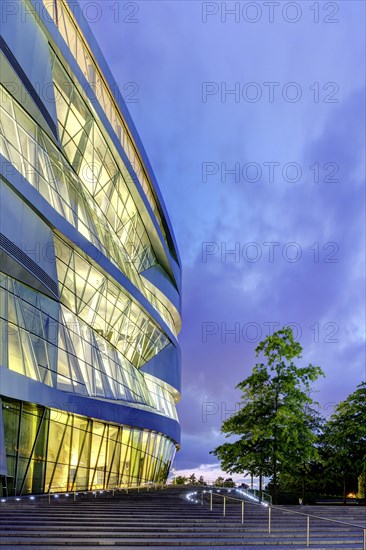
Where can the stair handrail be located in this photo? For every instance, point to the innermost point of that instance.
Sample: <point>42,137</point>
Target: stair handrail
<point>76,492</point>
<point>281,509</point>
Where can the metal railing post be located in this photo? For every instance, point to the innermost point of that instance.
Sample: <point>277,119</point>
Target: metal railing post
<point>74,495</point>
<point>308,516</point>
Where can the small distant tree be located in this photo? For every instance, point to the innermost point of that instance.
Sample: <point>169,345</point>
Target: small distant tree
<point>344,440</point>
<point>273,424</point>
<point>192,479</point>
<point>229,482</point>
<point>181,480</point>
<point>219,482</point>
<point>201,481</point>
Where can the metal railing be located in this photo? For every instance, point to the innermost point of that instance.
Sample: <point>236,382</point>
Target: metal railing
<point>54,494</point>
<point>260,495</point>
<point>252,494</point>
<point>283,510</point>
<point>126,489</point>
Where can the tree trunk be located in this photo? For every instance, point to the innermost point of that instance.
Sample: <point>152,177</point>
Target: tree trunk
<point>251,481</point>
<point>344,488</point>
<point>260,487</point>
<point>274,495</point>
<point>274,492</point>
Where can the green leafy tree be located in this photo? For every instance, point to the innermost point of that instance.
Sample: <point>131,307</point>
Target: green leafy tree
<point>181,480</point>
<point>293,487</point>
<point>201,481</point>
<point>219,482</point>
<point>192,479</point>
<point>307,476</point>
<point>275,424</point>
<point>229,482</point>
<point>344,440</point>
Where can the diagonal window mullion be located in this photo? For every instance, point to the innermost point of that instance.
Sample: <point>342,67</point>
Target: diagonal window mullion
<point>86,434</point>
<point>58,452</point>
<point>83,142</point>
<point>81,297</point>
<point>33,449</point>
<point>127,447</point>
<point>99,451</point>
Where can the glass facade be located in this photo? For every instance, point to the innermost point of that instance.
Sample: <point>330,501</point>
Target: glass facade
<point>34,155</point>
<point>73,36</point>
<point>89,358</point>
<point>49,450</point>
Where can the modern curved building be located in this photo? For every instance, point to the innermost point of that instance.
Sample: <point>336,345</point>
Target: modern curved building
<point>90,274</point>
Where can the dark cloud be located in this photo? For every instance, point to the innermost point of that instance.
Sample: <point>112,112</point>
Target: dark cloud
<point>170,53</point>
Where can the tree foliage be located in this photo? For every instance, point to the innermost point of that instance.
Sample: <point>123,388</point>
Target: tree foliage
<point>189,480</point>
<point>180,480</point>
<point>229,482</point>
<point>343,443</point>
<point>362,485</point>
<point>276,424</point>
<point>192,479</point>
<point>219,482</point>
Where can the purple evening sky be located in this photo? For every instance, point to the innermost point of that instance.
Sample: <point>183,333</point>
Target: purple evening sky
<point>297,150</point>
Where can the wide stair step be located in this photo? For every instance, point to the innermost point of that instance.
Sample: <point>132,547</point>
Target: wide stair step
<point>166,519</point>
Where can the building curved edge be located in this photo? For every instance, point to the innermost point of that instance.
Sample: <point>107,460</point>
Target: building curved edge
<point>85,28</point>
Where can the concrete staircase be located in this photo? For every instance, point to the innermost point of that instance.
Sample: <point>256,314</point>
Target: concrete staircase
<point>167,519</point>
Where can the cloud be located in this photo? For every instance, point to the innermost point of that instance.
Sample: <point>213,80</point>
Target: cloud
<point>170,53</point>
<point>324,299</point>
